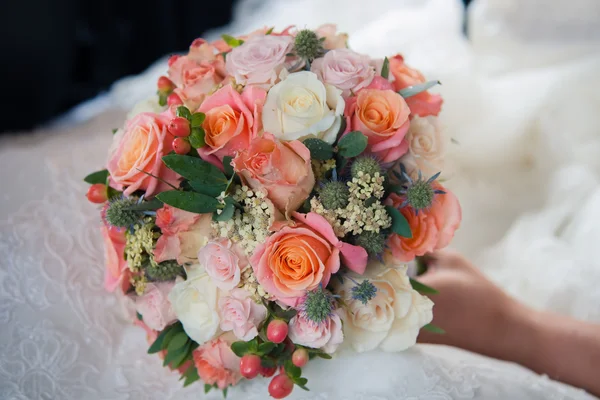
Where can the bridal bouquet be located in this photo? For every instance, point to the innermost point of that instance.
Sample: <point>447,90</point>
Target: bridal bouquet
<point>261,209</point>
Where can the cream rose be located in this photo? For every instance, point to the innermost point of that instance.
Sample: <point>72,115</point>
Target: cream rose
<point>426,146</point>
<point>392,319</point>
<point>195,302</point>
<point>302,106</point>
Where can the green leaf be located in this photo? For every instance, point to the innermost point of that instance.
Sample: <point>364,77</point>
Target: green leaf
<point>191,376</point>
<point>197,138</point>
<point>227,212</point>
<point>416,89</point>
<point>174,356</point>
<point>115,130</point>
<point>211,190</point>
<point>421,287</point>
<point>150,205</point>
<point>189,201</point>
<point>194,169</point>
<point>324,356</point>
<point>197,119</point>
<point>291,370</point>
<point>270,30</point>
<point>231,41</point>
<point>178,341</point>
<point>267,347</point>
<point>301,382</point>
<point>434,329</point>
<point>227,166</point>
<point>319,149</point>
<point>156,346</point>
<point>240,348</point>
<point>162,98</point>
<point>182,355</point>
<point>385,69</point>
<point>225,393</point>
<point>399,222</point>
<point>352,144</point>
<point>207,388</point>
<point>182,111</point>
<point>97,177</point>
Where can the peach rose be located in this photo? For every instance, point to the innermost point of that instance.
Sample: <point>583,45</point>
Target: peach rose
<point>431,229</point>
<point>197,73</point>
<point>283,169</point>
<point>137,151</point>
<point>155,307</point>
<point>259,60</point>
<point>422,104</point>
<point>240,314</point>
<point>297,259</point>
<point>344,69</point>
<point>333,40</point>
<point>183,234</point>
<point>232,121</point>
<point>326,336</point>
<point>116,272</point>
<point>222,263</point>
<point>217,363</point>
<point>382,115</point>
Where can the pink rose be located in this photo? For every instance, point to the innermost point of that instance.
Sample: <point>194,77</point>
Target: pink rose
<point>137,151</point>
<point>432,229</point>
<point>183,234</point>
<point>197,73</point>
<point>240,314</point>
<point>333,40</point>
<point>259,60</point>
<point>232,121</point>
<point>283,169</point>
<point>422,104</point>
<point>116,270</point>
<point>297,259</point>
<point>326,336</point>
<point>155,307</point>
<point>217,363</point>
<point>344,69</point>
<point>221,263</point>
<point>381,114</point>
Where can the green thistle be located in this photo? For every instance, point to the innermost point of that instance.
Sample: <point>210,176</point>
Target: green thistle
<point>334,194</point>
<point>308,45</point>
<point>364,291</point>
<point>317,305</point>
<point>419,193</point>
<point>164,271</point>
<point>366,165</point>
<point>372,242</point>
<point>118,214</point>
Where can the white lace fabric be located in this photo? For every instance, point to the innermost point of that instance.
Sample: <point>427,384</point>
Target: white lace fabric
<point>63,337</point>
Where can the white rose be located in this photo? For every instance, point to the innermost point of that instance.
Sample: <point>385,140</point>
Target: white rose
<point>392,319</point>
<point>195,302</point>
<point>148,105</point>
<point>426,147</point>
<point>300,106</point>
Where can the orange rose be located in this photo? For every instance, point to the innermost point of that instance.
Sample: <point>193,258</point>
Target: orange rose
<point>137,151</point>
<point>422,104</point>
<point>382,115</point>
<point>297,259</point>
<point>432,228</point>
<point>282,168</point>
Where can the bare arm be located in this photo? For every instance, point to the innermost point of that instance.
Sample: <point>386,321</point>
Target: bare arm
<point>478,316</point>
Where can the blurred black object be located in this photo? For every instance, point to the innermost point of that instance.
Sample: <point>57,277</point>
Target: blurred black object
<point>57,53</point>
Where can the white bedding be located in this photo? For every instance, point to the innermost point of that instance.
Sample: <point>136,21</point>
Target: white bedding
<point>522,100</point>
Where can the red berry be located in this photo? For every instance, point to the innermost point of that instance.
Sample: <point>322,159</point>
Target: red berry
<point>281,386</point>
<point>181,146</point>
<point>97,193</point>
<point>268,372</point>
<point>179,126</point>
<point>174,100</point>
<point>289,345</point>
<point>164,84</point>
<point>300,357</point>
<point>250,366</point>
<point>277,331</point>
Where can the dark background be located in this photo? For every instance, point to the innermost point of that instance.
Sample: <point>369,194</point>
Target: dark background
<point>58,53</point>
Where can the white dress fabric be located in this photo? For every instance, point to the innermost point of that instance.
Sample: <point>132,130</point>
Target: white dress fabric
<point>521,102</point>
